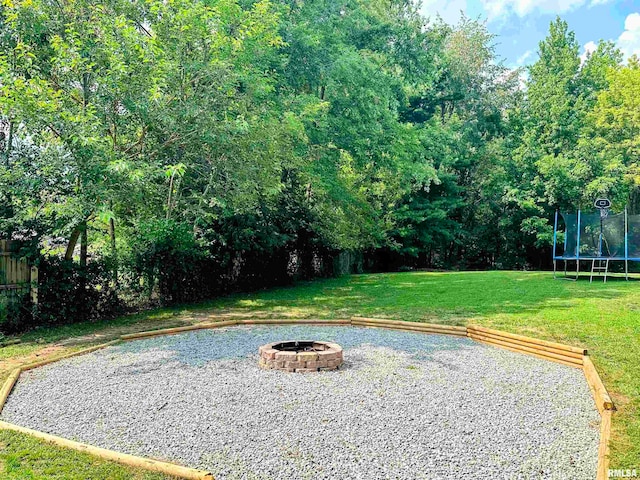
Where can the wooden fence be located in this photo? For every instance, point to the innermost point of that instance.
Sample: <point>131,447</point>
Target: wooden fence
<point>17,277</point>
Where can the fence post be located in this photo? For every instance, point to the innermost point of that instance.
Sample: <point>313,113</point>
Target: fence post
<point>34,285</point>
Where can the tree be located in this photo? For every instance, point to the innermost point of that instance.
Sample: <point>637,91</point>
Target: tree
<point>614,136</point>
<point>551,168</point>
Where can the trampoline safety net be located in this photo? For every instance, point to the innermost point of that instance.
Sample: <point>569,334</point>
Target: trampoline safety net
<point>633,236</point>
<point>612,242</point>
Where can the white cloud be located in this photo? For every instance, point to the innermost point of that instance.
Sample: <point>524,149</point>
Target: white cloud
<point>449,10</point>
<point>589,48</point>
<point>629,41</point>
<point>500,8</point>
<point>524,57</point>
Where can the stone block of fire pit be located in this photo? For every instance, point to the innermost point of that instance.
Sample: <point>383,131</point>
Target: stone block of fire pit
<point>303,356</point>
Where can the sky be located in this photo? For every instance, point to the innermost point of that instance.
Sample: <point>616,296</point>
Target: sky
<point>521,24</point>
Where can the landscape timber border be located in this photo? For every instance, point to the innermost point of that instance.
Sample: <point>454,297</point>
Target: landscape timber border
<point>555,352</point>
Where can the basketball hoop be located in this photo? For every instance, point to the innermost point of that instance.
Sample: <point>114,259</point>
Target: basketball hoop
<point>603,204</point>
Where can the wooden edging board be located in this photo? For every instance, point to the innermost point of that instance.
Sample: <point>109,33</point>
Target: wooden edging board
<point>552,351</point>
<point>228,323</point>
<point>567,355</point>
<point>293,321</point>
<point>606,408</point>
<point>603,448</point>
<point>123,458</point>
<point>8,386</point>
<point>600,394</point>
<point>171,331</point>
<point>554,356</point>
<point>42,363</point>
<point>415,326</point>
<point>521,339</point>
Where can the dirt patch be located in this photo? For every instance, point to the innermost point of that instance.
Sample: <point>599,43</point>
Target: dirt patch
<point>9,364</point>
<point>112,333</point>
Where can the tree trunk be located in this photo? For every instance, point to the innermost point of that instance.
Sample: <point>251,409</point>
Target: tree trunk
<point>83,244</point>
<point>72,243</point>
<point>169,197</point>
<point>114,251</point>
<point>7,151</point>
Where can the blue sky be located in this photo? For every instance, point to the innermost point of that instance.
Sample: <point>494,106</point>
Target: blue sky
<point>521,24</point>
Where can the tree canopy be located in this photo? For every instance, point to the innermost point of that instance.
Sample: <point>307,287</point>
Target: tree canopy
<point>257,141</point>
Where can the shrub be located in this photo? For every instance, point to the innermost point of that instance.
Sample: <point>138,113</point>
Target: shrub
<point>169,261</point>
<point>16,314</point>
<point>69,293</point>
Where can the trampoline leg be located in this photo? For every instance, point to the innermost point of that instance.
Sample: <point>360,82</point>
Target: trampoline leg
<point>554,269</point>
<point>626,270</point>
<point>577,268</point>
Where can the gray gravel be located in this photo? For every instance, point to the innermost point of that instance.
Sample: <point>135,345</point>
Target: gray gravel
<point>404,406</point>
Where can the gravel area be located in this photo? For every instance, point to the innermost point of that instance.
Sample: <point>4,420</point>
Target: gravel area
<point>404,406</point>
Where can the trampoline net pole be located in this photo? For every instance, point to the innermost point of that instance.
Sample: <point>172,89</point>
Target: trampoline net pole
<point>578,248</point>
<point>626,245</point>
<point>555,233</point>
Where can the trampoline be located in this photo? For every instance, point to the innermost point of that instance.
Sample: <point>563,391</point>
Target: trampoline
<point>599,238</point>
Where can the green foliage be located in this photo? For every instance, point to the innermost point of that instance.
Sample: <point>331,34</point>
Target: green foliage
<point>257,141</point>
<point>16,314</point>
<point>68,292</point>
<point>4,310</point>
<point>559,162</point>
<point>166,254</point>
<point>615,130</point>
<point>197,147</point>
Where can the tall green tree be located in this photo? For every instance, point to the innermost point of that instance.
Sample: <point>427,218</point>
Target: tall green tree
<point>613,137</point>
<point>551,169</point>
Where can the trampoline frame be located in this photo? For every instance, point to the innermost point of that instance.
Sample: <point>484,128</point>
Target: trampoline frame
<point>577,258</point>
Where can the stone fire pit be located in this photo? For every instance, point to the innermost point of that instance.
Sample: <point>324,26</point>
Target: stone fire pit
<point>301,356</point>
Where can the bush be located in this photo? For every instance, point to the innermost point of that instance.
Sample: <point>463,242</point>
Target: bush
<point>69,293</point>
<point>165,265</point>
<point>4,310</point>
<point>170,262</point>
<point>16,314</point>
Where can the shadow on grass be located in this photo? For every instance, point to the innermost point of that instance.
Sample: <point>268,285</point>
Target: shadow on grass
<point>437,297</point>
<point>432,296</point>
<point>585,277</point>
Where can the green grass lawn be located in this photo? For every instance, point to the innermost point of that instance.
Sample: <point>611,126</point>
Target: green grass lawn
<point>605,318</point>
